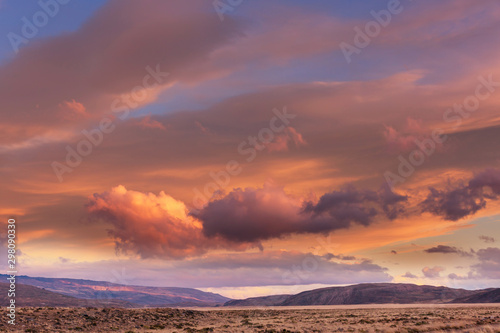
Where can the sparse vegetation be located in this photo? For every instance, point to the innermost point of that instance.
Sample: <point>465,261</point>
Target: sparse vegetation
<point>458,318</point>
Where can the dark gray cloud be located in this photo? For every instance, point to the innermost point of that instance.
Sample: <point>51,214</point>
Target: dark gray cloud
<point>338,256</point>
<point>465,199</point>
<point>487,239</point>
<point>442,249</point>
<point>489,263</point>
<point>258,214</point>
<point>409,275</point>
<point>453,204</point>
<point>445,249</point>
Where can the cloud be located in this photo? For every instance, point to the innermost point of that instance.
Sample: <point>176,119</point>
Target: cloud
<point>409,276</point>
<point>487,239</point>
<point>202,128</point>
<point>454,276</point>
<point>149,123</point>
<point>266,268</point>
<point>253,214</point>
<point>402,142</point>
<point>464,200</point>
<point>287,268</point>
<point>72,109</point>
<point>442,249</point>
<point>160,226</point>
<point>453,204</point>
<point>445,249</point>
<point>282,141</point>
<point>107,58</point>
<point>488,178</point>
<point>64,260</point>
<point>339,256</point>
<point>489,263</point>
<point>152,225</point>
<point>433,272</point>
<point>393,204</point>
<point>257,214</point>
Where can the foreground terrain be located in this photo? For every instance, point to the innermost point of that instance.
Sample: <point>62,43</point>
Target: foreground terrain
<point>458,318</point>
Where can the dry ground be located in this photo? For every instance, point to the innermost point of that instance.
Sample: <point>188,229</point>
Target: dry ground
<point>419,319</point>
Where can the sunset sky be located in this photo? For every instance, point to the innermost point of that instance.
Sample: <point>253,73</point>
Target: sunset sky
<point>252,147</point>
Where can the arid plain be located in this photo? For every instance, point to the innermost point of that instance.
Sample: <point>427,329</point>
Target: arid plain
<point>372,318</point>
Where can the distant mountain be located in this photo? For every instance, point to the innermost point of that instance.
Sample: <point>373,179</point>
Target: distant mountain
<point>258,301</point>
<point>33,296</point>
<point>36,291</point>
<point>103,292</point>
<point>372,293</point>
<point>487,296</point>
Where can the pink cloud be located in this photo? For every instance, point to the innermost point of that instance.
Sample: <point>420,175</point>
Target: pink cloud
<point>147,122</point>
<point>202,128</point>
<point>404,141</point>
<point>433,272</point>
<point>283,140</point>
<point>106,58</point>
<point>72,110</point>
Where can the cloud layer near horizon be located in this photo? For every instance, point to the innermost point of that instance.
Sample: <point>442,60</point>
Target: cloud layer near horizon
<point>194,90</point>
<point>160,226</point>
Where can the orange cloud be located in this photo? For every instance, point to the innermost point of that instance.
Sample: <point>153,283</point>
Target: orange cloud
<point>72,109</point>
<point>153,225</point>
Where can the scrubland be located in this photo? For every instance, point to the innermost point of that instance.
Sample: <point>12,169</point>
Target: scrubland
<point>482,318</point>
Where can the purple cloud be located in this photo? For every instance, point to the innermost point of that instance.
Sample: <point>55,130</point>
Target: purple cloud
<point>445,249</point>
<point>249,215</point>
<point>464,200</point>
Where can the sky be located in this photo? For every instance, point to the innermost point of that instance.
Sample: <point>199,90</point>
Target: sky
<point>252,147</point>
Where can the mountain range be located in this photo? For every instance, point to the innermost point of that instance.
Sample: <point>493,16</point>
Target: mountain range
<point>38,291</point>
<point>27,295</point>
<point>101,292</point>
<point>375,293</point>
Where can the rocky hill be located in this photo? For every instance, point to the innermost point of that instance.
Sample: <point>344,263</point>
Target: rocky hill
<point>374,293</point>
<point>104,292</point>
